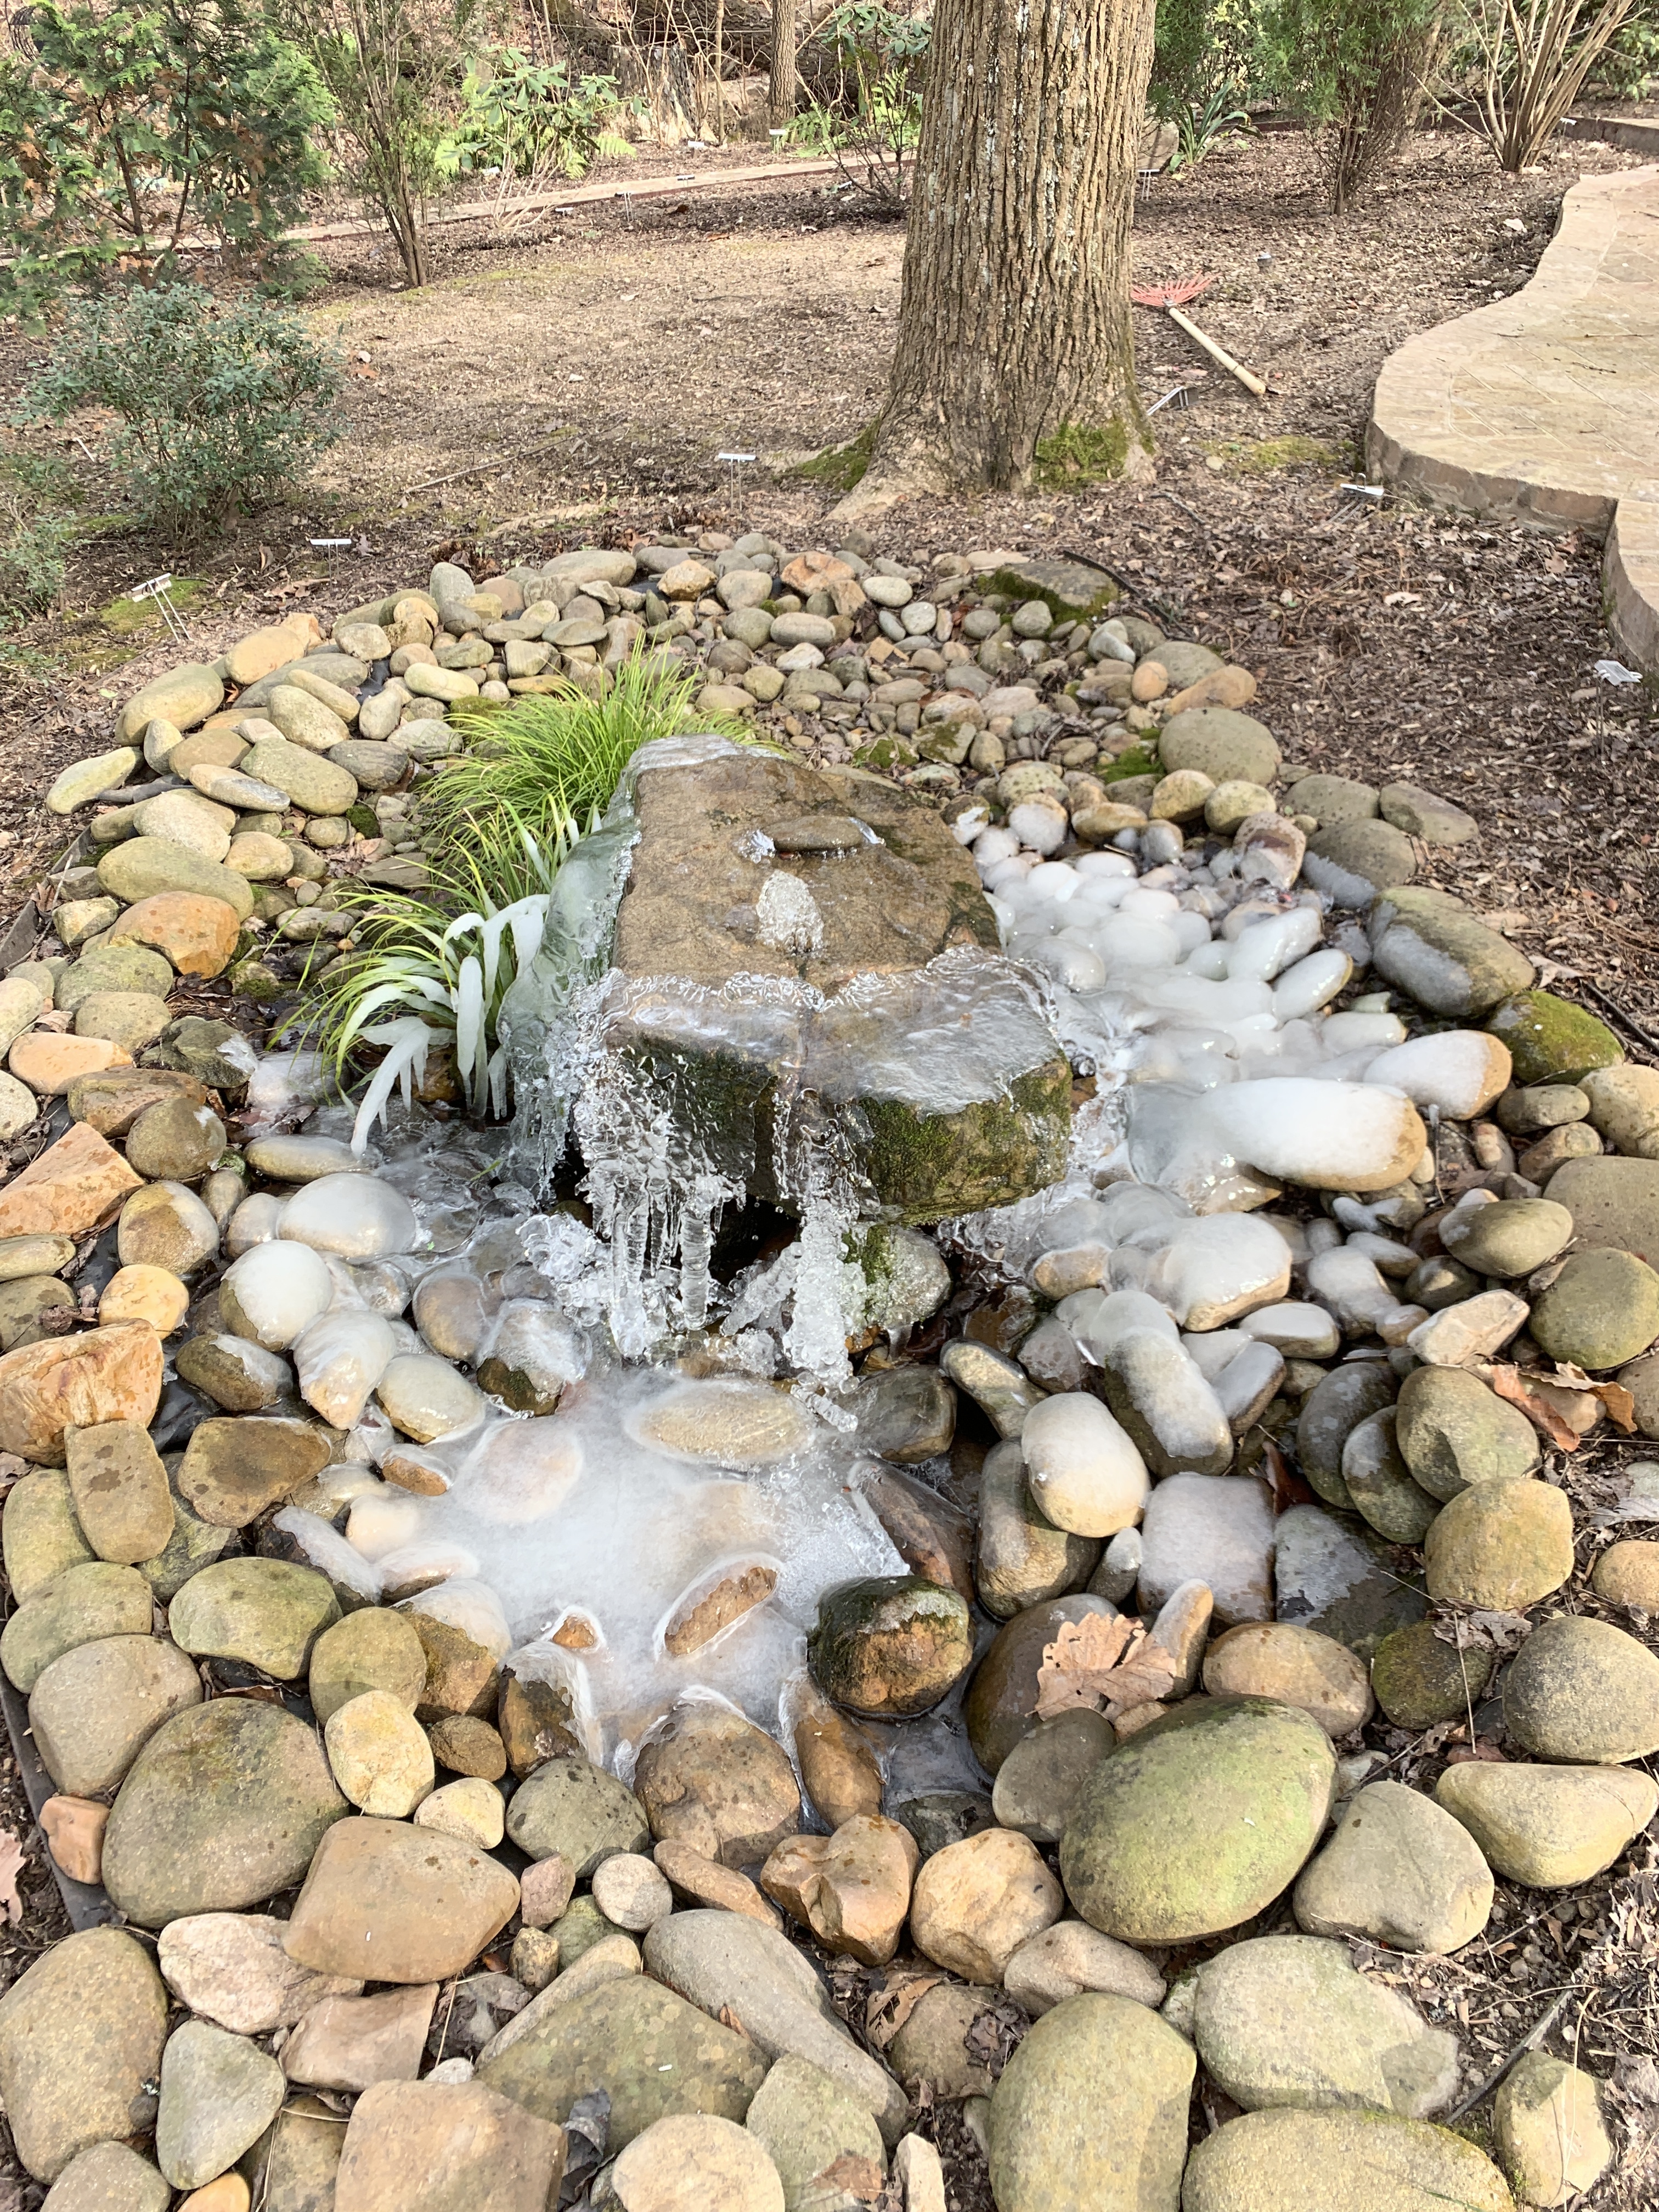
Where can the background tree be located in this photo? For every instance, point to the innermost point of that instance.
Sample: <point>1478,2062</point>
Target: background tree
<point>1358,68</point>
<point>781,89</point>
<point>393,68</point>
<point>125,127</point>
<point>1015,359</point>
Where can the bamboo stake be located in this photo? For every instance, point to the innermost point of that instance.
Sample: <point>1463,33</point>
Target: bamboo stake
<point>1250,382</point>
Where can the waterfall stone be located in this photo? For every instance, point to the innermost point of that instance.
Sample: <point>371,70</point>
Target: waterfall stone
<point>902,1033</point>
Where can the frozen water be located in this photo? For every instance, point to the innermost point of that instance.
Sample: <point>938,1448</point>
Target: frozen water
<point>628,1499</point>
<point>1082,1470</point>
<point>1350,1284</point>
<point>1211,1271</point>
<point>1331,1136</point>
<point>339,1358</point>
<point>1155,1385</point>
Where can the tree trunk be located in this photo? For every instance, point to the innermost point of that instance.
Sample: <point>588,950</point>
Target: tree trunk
<point>1015,360</point>
<point>780,92</point>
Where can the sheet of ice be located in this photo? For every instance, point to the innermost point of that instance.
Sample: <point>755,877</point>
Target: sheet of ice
<point>1212,1270</point>
<point>359,1217</point>
<point>618,1504</point>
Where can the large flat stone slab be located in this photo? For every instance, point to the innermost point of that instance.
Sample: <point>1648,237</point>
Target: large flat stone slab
<point>807,981</point>
<point>1540,408</point>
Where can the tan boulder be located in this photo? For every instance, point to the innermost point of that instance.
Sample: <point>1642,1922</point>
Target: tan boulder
<point>351,2043</point>
<point>108,1375</point>
<point>394,1903</point>
<point>714,1780</point>
<point>447,2146</point>
<point>852,1889</point>
<point>154,1296</point>
<point>701,1881</point>
<point>74,1830</point>
<point>975,1902</point>
<point>75,1185</point>
<point>198,934</point>
<point>120,1491</point>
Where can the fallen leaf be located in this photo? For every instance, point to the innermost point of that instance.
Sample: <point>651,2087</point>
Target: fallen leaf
<point>1509,1382</point>
<point>12,1862</point>
<point>891,2005</point>
<point>1620,1403</point>
<point>856,2176</point>
<point>1481,1630</point>
<point>1102,1662</point>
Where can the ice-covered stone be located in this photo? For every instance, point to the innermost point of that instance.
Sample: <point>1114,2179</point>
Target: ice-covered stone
<point>1459,1071</point>
<point>1331,1135</point>
<point>1155,1388</point>
<point>1350,1284</point>
<point>274,1292</point>
<point>1215,1269</point>
<point>1217,1529</point>
<point>357,1216</point>
<point>340,1358</point>
<point>1083,1472</point>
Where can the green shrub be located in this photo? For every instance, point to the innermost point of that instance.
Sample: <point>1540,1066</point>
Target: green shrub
<point>218,406</point>
<point>35,532</point>
<point>531,765</point>
<point>527,120</point>
<point>1359,69</point>
<point>125,128</point>
<point>1203,52</point>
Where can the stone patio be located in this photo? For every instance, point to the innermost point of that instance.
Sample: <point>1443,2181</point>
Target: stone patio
<point>1541,407</point>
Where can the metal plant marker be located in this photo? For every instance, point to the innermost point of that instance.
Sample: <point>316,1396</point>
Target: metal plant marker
<point>160,588</point>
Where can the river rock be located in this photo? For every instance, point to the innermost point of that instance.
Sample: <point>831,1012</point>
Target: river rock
<point>1353,862</point>
<point>193,1544</point>
<point>86,780</point>
<point>357,1216</point>
<point>152,1295</point>
<point>813,2132</point>
<point>852,1889</point>
<point>1339,1578</point>
<point>142,868</point>
<point>351,2043</point>
<point>1503,1545</point>
<point>1452,1432</point>
<point>1037,1781</point>
<point>839,1769</point>
<point>1022,1556</point>
<point>573,1809</point>
<point>1430,944</point>
<point>906,1415</point>
<point>931,2045</point>
<point>398,1904</point>
<point>40,1533</point>
<point>81,1606</point>
<point>120,1491</point>
<point>94,1709</point>
<point>234,1372</point>
<point>108,2177</point>
<point>263,1613</point>
<point>1291,1665</point>
<point>68,1190</point>
<point>712,1779</point>
<point>197,935</point>
<point>166,1226</point>
<point>379,1753</point>
<point>451,2147</point>
<point>175,1140</point>
<point>233,1470</point>
<point>230,1968</point>
<point>80,2037</point>
<point>471,1809</point>
<point>1507,1236</point>
<point>1216,1529</point>
<point>1001,1703</point>
<point>1418,1680</point>
<point>1091,2109</point>
<point>1550,2135</point>
<point>1551,1828</point>
<point>1064,1960</point>
<point>1601,1309</point>
<point>426,1398</point>
<point>1137,1865</point>
<point>219,2094</point>
<point>695,1880</point>
<point>373,1648</point>
<point>1550,1040</point>
<point>727,1961</point>
<point>691,2159</point>
<point>1331,1412</point>
<point>111,1373</point>
<point>1285,2020</point>
<point>1083,1471</point>
<point>977,1901</point>
<point>890,1646</point>
<point>223,1808</point>
<point>461,1677</point>
<point>1581,1691</point>
<point>1357,2161</point>
<point>1399,1871</point>
<point>314,785</point>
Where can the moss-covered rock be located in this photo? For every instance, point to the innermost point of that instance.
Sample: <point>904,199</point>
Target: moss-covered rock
<point>890,1645</point>
<point>1418,1680</point>
<point>1198,1821</point>
<point>1550,1040</point>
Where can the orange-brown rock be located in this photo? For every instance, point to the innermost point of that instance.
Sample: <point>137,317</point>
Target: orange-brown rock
<point>1223,687</point>
<point>706,1881</point>
<point>838,1763</point>
<point>153,1295</point>
<point>74,1185</point>
<point>197,933</point>
<point>49,1063</point>
<point>852,1889</point>
<point>74,1829</point>
<point>265,651</point>
<point>108,1375</point>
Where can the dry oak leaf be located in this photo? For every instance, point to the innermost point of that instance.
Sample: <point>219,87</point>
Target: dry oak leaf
<point>1099,1662</point>
<point>1509,1382</point>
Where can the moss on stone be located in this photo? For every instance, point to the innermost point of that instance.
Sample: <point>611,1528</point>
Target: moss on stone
<point>839,468</point>
<point>1139,760</point>
<point>1550,1040</point>
<point>926,1166</point>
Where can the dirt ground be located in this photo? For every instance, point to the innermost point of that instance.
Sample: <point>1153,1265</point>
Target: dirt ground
<point>580,382</point>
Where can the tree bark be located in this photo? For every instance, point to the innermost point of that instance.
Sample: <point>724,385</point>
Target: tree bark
<point>780,92</point>
<point>1014,365</point>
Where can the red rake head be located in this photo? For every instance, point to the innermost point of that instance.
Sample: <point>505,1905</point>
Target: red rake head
<point>1169,295</point>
